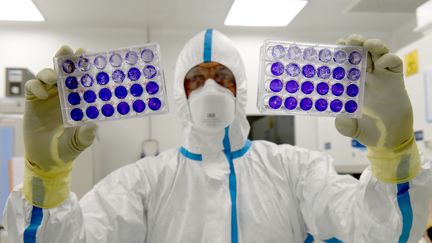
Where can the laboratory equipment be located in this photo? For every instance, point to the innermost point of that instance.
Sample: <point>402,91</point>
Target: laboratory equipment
<point>110,85</point>
<point>311,79</point>
<point>15,80</point>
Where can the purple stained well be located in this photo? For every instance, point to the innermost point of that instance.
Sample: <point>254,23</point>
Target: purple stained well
<point>74,98</point>
<point>68,66</point>
<point>337,89</point>
<point>138,106</point>
<point>308,71</point>
<point>147,55</point>
<point>152,87</point>
<point>89,96</point>
<point>107,110</point>
<point>352,90</point>
<point>136,90</point>
<point>131,57</point>
<point>290,103</point>
<point>92,112</point>
<point>149,71</point>
<point>307,87</point>
<point>86,80</point>
<point>84,64</point>
<point>336,105</point>
<point>71,82</point>
<point>354,74</point>
<point>154,103</point>
<point>76,114</point>
<point>293,69</point>
<point>321,104</point>
<point>350,106</point>
<point>309,54</point>
<point>118,76</point>
<point>322,88</point>
<point>100,62</point>
<point>325,55</point>
<point>278,51</point>
<point>134,74</point>
<point>120,92</point>
<point>276,85</point>
<point>102,78</point>
<point>105,94</point>
<point>306,104</point>
<point>275,102</point>
<point>123,108</point>
<point>294,52</point>
<point>339,73</point>
<point>355,57</point>
<point>115,60</point>
<point>291,86</point>
<point>324,72</point>
<point>340,56</point>
<point>277,69</point>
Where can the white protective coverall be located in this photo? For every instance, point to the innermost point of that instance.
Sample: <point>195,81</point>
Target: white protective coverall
<point>224,188</point>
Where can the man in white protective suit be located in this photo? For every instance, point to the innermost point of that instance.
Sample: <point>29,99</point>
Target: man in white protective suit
<point>219,186</point>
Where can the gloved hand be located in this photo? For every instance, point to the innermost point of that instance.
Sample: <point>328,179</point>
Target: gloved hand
<point>386,127</point>
<point>50,149</point>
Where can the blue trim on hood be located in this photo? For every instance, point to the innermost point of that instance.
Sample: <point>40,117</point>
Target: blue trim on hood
<point>208,45</point>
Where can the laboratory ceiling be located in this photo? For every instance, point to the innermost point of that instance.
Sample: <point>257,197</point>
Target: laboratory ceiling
<point>318,15</point>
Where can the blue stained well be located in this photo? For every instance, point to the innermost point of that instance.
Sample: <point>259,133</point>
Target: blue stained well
<point>86,80</point>
<point>105,94</point>
<point>355,57</point>
<point>309,54</point>
<point>68,66</point>
<point>115,60</point>
<point>276,85</point>
<point>321,105</point>
<point>84,64</point>
<point>152,87</point>
<point>138,106</point>
<point>100,62</point>
<point>154,104</point>
<point>307,87</point>
<point>147,55</point>
<point>275,102</point>
<point>339,73</point>
<point>294,52</point>
<point>350,106</point>
<point>337,89</point>
<point>131,57</point>
<point>322,88</point>
<point>293,69</point>
<point>74,98</point>
<point>352,90</point>
<point>278,51</point>
<point>149,71</point>
<point>123,108</point>
<point>308,71</point>
<point>102,78</point>
<point>324,72</point>
<point>107,110</point>
<point>76,114</point>
<point>71,82</point>
<point>325,55</point>
<point>336,105</point>
<point>306,104</point>
<point>134,74</point>
<point>290,103</point>
<point>277,68</point>
<point>136,90</point>
<point>354,74</point>
<point>89,96</point>
<point>120,92</point>
<point>291,86</point>
<point>92,112</point>
<point>340,56</point>
<point>118,76</point>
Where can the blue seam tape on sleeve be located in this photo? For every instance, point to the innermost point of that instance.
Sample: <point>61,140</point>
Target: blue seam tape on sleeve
<point>309,238</point>
<point>239,153</point>
<point>403,199</point>
<point>35,221</point>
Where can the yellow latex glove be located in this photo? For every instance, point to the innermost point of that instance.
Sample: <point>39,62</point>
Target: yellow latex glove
<point>50,149</point>
<point>386,127</point>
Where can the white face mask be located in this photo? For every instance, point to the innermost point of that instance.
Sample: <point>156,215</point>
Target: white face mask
<point>212,107</point>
